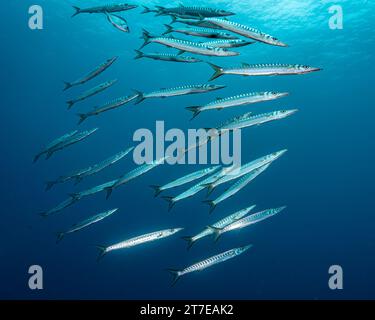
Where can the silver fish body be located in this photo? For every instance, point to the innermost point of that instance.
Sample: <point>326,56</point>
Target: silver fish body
<point>166,57</point>
<point>226,44</point>
<point>189,12</point>
<point>118,22</point>
<point>195,23</point>
<point>200,32</point>
<point>109,8</point>
<point>61,206</point>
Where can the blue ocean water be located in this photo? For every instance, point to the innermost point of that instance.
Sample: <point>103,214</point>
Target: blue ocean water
<point>325,179</point>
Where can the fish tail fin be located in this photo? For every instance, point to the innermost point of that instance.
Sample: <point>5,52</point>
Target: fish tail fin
<point>157,190</point>
<point>140,97</point>
<point>77,11</point>
<point>160,11</point>
<point>82,117</point>
<point>146,38</point>
<point>216,231</point>
<point>102,252</point>
<point>176,275</point>
<point>36,158</point>
<point>50,184</point>
<point>195,110</point>
<point>168,30</point>
<point>60,236</point>
<point>212,205</point>
<point>190,241</point>
<point>174,20</point>
<point>218,71</point>
<point>170,201</point>
<point>67,85</point>
<point>108,192</point>
<point>139,54</point>
<point>70,104</point>
<point>146,10</point>
<point>43,214</point>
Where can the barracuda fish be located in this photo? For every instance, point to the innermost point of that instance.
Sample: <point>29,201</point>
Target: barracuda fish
<point>98,70</point>
<point>137,172</point>
<point>105,9</point>
<point>62,179</point>
<point>166,57</point>
<point>245,169</point>
<point>184,180</point>
<point>247,120</point>
<point>101,87</point>
<point>114,104</point>
<point>238,100</point>
<point>187,46</point>
<point>236,43</point>
<point>236,187</point>
<point>221,257</point>
<point>61,206</point>
<point>189,12</point>
<point>247,32</point>
<point>177,91</point>
<point>196,188</point>
<point>118,22</point>
<point>54,144</point>
<point>195,23</point>
<point>72,140</point>
<point>220,224</point>
<point>81,225</point>
<point>270,69</point>
<point>79,195</point>
<point>244,222</point>
<point>200,32</point>
<point>138,240</point>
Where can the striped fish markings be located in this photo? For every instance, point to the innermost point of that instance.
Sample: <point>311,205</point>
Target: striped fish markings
<point>200,32</point>
<point>236,187</point>
<point>246,31</point>
<point>177,91</point>
<point>187,46</point>
<point>221,257</point>
<point>184,180</point>
<point>220,224</point>
<point>238,100</point>
<point>247,221</point>
<point>87,222</point>
<point>114,104</point>
<point>166,57</point>
<point>99,88</point>
<point>235,43</point>
<point>267,69</point>
<point>137,241</point>
<point>109,8</point>
<point>92,74</point>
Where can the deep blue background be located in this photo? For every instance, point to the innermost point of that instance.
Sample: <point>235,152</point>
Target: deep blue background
<point>326,179</point>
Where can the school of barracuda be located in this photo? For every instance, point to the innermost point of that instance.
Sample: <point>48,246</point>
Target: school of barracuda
<point>225,34</point>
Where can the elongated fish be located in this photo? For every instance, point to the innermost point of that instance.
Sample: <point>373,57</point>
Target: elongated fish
<point>81,225</point>
<point>185,179</point>
<point>114,104</point>
<point>92,74</point>
<point>105,9</point>
<point>221,257</point>
<point>247,32</point>
<point>236,43</point>
<point>193,12</point>
<point>247,120</point>
<point>138,240</point>
<point>61,206</point>
<point>78,175</point>
<point>187,46</point>
<point>236,187</point>
<point>72,140</point>
<point>200,32</point>
<point>137,172</point>
<point>244,222</point>
<point>93,190</point>
<point>177,91</point>
<point>238,100</point>
<point>101,87</point>
<point>118,22</point>
<point>105,164</point>
<point>196,188</point>
<point>245,169</point>
<point>166,57</point>
<point>268,69</point>
<point>58,141</point>
<point>195,23</point>
<point>220,224</point>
